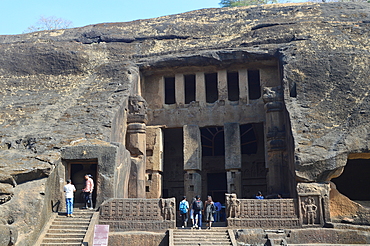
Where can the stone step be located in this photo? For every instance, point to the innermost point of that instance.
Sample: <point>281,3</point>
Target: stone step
<point>183,237</point>
<point>196,231</point>
<point>61,244</point>
<point>196,243</point>
<point>201,236</point>
<point>66,230</point>
<point>190,235</point>
<point>67,234</point>
<point>62,240</point>
<point>68,227</point>
<point>72,223</point>
<point>324,244</point>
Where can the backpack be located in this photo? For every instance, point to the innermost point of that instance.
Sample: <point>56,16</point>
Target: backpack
<point>198,205</point>
<point>213,208</point>
<point>183,208</point>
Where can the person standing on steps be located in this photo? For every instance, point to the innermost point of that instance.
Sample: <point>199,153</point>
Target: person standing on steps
<point>69,190</point>
<point>209,211</point>
<point>192,213</point>
<point>89,187</point>
<point>184,208</point>
<point>198,207</point>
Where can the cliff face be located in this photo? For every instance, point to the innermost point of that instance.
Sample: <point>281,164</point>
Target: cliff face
<point>64,85</point>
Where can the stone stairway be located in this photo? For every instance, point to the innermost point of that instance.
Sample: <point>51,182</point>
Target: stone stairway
<point>67,231</point>
<point>187,237</point>
<point>276,237</point>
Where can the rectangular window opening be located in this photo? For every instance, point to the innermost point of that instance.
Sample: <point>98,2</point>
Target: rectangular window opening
<point>169,90</point>
<point>191,188</point>
<point>149,152</point>
<point>147,189</point>
<point>211,87</point>
<point>189,81</point>
<point>233,86</point>
<point>190,176</point>
<point>254,84</point>
<point>149,176</point>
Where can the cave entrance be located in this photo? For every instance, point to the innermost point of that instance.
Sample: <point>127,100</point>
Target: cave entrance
<point>354,180</point>
<point>217,186</point>
<point>76,170</point>
<point>173,168</point>
<point>213,172</point>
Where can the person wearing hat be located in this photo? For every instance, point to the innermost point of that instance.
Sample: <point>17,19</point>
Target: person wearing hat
<point>259,195</point>
<point>69,189</point>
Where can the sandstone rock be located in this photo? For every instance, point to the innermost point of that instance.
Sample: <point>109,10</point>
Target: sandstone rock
<point>66,85</point>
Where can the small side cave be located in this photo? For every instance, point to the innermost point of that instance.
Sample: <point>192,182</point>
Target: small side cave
<point>354,181</point>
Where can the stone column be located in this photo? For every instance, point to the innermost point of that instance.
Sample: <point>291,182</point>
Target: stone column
<point>222,85</point>
<point>192,161</point>
<point>243,85</point>
<point>233,159</point>
<point>179,89</point>
<point>154,161</point>
<point>161,90</point>
<point>136,144</point>
<point>275,140</point>
<point>200,90</point>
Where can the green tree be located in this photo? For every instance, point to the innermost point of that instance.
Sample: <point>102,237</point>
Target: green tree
<point>49,23</point>
<point>236,3</point>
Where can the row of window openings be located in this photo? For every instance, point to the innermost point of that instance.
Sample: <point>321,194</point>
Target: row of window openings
<point>211,84</point>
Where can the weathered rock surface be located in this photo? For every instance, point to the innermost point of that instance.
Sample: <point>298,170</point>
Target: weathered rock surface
<point>61,86</point>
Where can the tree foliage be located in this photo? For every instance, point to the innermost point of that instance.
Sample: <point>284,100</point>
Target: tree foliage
<point>237,3</point>
<point>49,23</point>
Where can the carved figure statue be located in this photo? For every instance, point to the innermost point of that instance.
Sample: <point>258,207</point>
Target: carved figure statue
<point>137,105</point>
<point>309,210</point>
<point>233,206</point>
<point>168,208</point>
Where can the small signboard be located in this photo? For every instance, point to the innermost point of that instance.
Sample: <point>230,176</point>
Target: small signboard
<point>101,235</point>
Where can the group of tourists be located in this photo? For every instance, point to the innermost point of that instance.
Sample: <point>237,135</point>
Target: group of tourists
<point>197,208</point>
<point>69,190</point>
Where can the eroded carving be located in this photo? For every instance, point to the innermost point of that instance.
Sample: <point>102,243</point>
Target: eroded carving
<point>168,208</point>
<point>137,109</point>
<point>309,210</point>
<point>233,206</point>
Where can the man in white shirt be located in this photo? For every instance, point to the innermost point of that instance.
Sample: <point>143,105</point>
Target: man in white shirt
<point>69,189</point>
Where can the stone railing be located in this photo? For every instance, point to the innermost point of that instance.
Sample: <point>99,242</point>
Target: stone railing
<point>266,213</point>
<point>139,214</point>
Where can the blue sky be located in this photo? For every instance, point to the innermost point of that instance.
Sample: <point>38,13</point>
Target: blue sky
<point>17,15</point>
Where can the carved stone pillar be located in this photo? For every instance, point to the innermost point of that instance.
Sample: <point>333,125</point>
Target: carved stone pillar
<point>192,161</point>
<point>243,85</point>
<point>180,89</point>
<point>222,85</point>
<point>275,140</point>
<point>200,90</point>
<point>233,160</point>
<point>154,161</point>
<point>234,181</point>
<point>136,144</point>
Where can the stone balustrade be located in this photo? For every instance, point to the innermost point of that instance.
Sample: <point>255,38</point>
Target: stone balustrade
<point>266,213</point>
<point>139,214</point>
